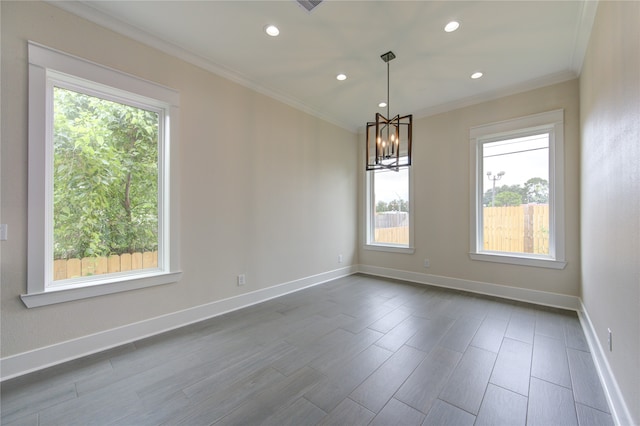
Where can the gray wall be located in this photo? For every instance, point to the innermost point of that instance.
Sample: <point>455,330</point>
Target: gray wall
<point>610,194</point>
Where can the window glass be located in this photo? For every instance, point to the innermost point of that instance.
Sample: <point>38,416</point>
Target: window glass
<point>515,194</point>
<point>517,191</point>
<point>105,186</point>
<point>390,207</point>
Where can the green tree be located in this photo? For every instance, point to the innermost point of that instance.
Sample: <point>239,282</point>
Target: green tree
<point>382,206</point>
<point>508,198</point>
<point>487,197</point>
<point>105,177</point>
<point>536,190</point>
<point>398,205</point>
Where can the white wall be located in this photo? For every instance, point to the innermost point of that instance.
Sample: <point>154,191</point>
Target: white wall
<point>610,195</point>
<point>266,190</point>
<point>441,198</point>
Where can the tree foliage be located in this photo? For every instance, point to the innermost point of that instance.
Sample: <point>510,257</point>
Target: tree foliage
<point>105,181</point>
<point>535,190</point>
<point>399,205</point>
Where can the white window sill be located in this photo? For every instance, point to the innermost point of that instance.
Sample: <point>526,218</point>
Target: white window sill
<point>539,262</point>
<point>389,248</point>
<point>99,288</point>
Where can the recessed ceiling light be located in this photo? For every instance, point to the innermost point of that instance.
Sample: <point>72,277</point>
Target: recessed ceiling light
<point>452,26</point>
<point>476,75</point>
<point>341,77</point>
<point>272,30</point>
<point>382,104</point>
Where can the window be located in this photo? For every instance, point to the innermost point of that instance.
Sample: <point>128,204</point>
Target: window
<point>517,191</point>
<point>389,218</point>
<point>101,196</point>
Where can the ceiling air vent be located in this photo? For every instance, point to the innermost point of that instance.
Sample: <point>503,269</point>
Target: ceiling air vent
<point>309,5</point>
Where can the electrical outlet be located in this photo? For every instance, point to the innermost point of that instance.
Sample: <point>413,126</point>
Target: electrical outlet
<point>427,263</point>
<point>339,258</point>
<point>242,280</point>
<point>610,339</point>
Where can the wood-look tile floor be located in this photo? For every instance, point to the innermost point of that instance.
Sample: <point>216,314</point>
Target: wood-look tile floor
<point>355,351</point>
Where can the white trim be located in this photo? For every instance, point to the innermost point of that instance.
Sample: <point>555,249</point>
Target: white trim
<point>389,248</point>
<point>537,297</point>
<point>37,359</point>
<point>370,209</point>
<point>47,67</point>
<point>519,260</point>
<point>553,123</point>
<point>98,288</point>
<point>619,409</point>
<point>49,58</point>
<point>537,83</point>
<point>583,32</point>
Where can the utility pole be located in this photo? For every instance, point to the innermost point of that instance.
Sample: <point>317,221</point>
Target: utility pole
<point>494,178</point>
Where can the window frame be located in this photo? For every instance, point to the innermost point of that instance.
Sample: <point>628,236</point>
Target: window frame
<point>47,67</point>
<point>369,232</point>
<point>553,123</point>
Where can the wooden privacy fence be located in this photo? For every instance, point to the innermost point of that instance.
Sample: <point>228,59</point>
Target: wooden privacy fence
<point>521,229</point>
<point>396,235</point>
<point>72,268</point>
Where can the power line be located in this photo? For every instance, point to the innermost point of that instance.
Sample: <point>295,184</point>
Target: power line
<point>514,152</point>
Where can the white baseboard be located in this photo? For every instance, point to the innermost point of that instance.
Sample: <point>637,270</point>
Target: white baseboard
<point>619,409</point>
<point>37,359</point>
<point>555,300</point>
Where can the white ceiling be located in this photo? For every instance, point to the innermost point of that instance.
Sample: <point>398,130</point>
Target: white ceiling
<point>518,45</point>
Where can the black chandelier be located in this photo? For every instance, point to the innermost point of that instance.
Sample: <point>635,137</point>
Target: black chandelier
<point>389,139</point>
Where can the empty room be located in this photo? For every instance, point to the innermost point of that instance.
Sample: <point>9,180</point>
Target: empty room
<point>320,212</point>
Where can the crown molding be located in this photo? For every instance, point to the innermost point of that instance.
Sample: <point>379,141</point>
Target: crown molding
<point>537,83</point>
<point>86,11</point>
<point>588,9</point>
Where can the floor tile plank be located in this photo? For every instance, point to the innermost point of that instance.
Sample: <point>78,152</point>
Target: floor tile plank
<point>426,382</point>
<point>466,386</point>
<point>550,404</point>
<point>513,366</point>
<point>550,361</point>
<point>585,382</point>
<point>274,398</point>
<point>502,407</point>
<point>400,334</point>
<point>443,414</point>
<point>490,334</point>
<point>588,416</point>
<point>395,413</point>
<point>522,325</point>
<point>461,332</point>
<point>300,413</point>
<point>332,389</point>
<point>380,386</point>
<point>574,336</point>
<point>348,413</point>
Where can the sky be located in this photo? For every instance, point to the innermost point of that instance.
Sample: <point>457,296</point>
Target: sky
<point>520,159</point>
<point>392,185</point>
